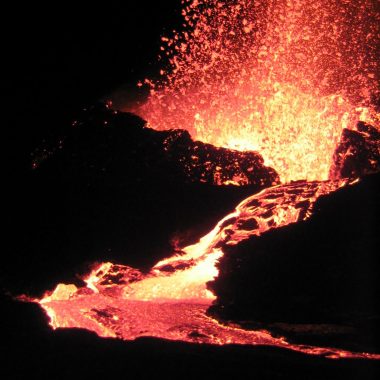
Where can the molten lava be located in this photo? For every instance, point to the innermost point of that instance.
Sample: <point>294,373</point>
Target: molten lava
<point>171,301</point>
<point>283,77</point>
<point>276,76</point>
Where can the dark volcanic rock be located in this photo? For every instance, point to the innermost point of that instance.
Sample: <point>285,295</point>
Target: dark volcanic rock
<point>358,153</point>
<point>315,281</point>
<point>104,142</point>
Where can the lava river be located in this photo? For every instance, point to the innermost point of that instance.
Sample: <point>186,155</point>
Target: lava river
<point>171,301</point>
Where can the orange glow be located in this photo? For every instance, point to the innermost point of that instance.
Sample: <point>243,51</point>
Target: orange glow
<point>282,77</point>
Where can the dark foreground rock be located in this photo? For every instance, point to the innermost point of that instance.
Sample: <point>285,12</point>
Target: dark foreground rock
<point>315,281</point>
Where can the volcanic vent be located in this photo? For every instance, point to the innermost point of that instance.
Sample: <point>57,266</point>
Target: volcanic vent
<point>281,78</point>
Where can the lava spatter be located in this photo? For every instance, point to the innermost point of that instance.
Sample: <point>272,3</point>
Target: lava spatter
<point>282,77</point>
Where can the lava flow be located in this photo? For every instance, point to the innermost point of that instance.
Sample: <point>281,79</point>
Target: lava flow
<point>171,301</point>
<point>280,77</point>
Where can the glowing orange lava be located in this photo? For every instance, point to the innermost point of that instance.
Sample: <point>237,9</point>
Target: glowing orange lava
<point>282,77</point>
<point>171,301</point>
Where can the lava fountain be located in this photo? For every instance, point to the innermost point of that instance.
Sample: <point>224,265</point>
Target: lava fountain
<point>282,77</point>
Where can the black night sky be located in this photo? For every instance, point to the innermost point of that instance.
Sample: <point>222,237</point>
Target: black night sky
<point>57,58</point>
